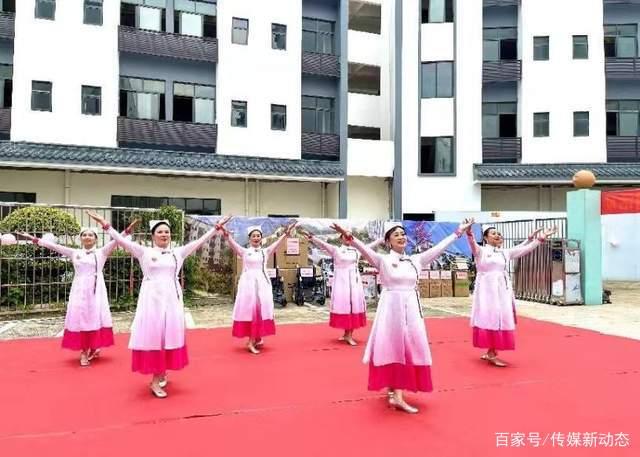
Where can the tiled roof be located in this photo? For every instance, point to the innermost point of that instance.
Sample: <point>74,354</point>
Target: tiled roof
<point>162,161</point>
<point>556,172</point>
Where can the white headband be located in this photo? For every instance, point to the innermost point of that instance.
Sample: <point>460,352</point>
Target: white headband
<point>153,224</point>
<point>254,228</point>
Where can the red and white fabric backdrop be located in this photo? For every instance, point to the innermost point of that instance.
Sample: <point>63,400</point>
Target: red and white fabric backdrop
<point>621,235</point>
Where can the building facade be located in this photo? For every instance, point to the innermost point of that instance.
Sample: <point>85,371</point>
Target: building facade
<point>316,108</point>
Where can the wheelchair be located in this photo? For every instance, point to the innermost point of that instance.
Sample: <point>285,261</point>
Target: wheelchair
<point>277,287</point>
<point>310,287</point>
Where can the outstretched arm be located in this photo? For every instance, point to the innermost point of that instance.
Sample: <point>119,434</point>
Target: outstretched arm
<point>429,255</point>
<point>108,248</point>
<point>193,246</point>
<point>376,243</point>
<point>328,248</point>
<point>473,245</point>
<point>539,236</point>
<point>63,250</point>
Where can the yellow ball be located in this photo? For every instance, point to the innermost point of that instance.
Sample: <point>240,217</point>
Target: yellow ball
<point>584,179</point>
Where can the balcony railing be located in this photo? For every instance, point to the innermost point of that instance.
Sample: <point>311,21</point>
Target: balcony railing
<point>167,133</point>
<point>623,149</point>
<point>501,71</point>
<point>162,44</point>
<point>320,146</point>
<point>501,150</point>
<point>314,63</point>
<point>5,121</point>
<point>622,67</point>
<point>7,25</point>
<point>488,3</point>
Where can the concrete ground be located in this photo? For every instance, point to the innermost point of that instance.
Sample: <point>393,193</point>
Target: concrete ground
<point>620,318</point>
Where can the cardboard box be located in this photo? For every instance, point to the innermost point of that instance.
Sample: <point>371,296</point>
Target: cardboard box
<point>293,252</point>
<point>423,284</point>
<point>435,288</point>
<point>460,283</point>
<point>446,283</point>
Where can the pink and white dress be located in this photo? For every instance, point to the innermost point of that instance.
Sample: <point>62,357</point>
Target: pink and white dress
<point>158,330</point>
<point>348,308</point>
<point>87,324</point>
<point>493,312</point>
<point>398,351</point>
<point>253,307</point>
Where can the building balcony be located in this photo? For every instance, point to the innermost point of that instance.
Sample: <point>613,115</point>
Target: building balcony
<point>5,121</point>
<point>317,64</point>
<point>320,146</point>
<point>622,68</point>
<point>623,149</point>
<point>501,71</point>
<point>621,2</point>
<point>182,135</point>
<point>7,25</point>
<point>162,44</point>
<point>489,3</point>
<point>501,150</point>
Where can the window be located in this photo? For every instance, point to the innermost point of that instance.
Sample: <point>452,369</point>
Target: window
<point>195,18</point>
<point>17,197</point>
<point>363,133</point>
<point>500,44</point>
<point>318,115</point>
<point>437,11</point>
<point>623,117</point>
<point>499,120</point>
<point>581,123</point>
<point>317,36</point>
<point>194,103</point>
<point>240,31</point>
<point>580,47</point>
<point>238,113</point>
<point>200,206</point>
<point>364,17</point>
<point>437,80</point>
<point>8,6</point>
<point>278,36</point>
<point>540,48</point>
<point>278,117</point>
<point>540,124</point>
<point>41,95</point>
<point>364,79</point>
<point>93,12</point>
<point>45,9</point>
<point>621,40</point>
<point>436,155</point>
<point>142,98</point>
<point>144,14</point>
<point>91,100</point>
<point>6,85</point>
<point>418,217</point>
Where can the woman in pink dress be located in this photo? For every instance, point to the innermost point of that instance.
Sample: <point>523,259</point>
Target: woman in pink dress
<point>398,348</point>
<point>88,324</point>
<point>493,314</point>
<point>348,309</point>
<point>158,330</point>
<point>253,307</point>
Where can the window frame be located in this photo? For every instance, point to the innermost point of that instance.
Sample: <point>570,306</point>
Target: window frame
<point>50,92</point>
<point>234,27</point>
<point>193,100</point>
<point>499,31</point>
<point>246,113</point>
<point>9,77</point>
<point>435,139</point>
<point>545,45</point>
<point>352,90</point>
<point>618,110</point>
<point>449,11</point>
<point>437,64</point>
<point>513,110</point>
<point>162,115</point>
<point>318,109</point>
<point>36,9</point>
<point>576,134</point>
<point>576,46</point>
<point>316,31</point>
<point>84,96</point>
<point>283,115</point>
<point>95,5</point>
<point>545,122</point>
<point>359,27</point>
<point>275,33</point>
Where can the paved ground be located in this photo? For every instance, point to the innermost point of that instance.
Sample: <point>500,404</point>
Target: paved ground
<point>621,318</point>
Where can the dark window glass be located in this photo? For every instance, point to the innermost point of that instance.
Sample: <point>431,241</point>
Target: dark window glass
<point>93,12</point>
<point>364,17</point>
<point>41,96</point>
<point>91,100</point>
<point>238,113</point>
<point>278,117</point>
<point>437,80</point>
<point>278,36</point>
<point>436,155</point>
<point>45,9</point>
<point>363,133</point>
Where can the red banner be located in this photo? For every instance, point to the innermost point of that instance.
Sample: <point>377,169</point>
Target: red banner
<point>620,202</point>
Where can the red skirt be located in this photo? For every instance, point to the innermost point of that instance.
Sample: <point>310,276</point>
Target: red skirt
<point>255,329</point>
<point>83,340</point>
<point>504,340</point>
<point>348,321</point>
<point>405,376</point>
<point>158,362</point>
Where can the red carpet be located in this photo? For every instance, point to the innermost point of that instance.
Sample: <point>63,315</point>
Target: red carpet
<point>305,395</point>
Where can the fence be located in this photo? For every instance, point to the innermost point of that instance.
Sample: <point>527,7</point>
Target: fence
<point>532,274</point>
<point>35,279</point>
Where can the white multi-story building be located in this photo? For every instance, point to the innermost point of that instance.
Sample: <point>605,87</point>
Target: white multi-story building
<point>316,108</point>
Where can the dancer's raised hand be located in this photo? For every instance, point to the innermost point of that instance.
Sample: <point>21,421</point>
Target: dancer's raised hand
<point>342,231</point>
<point>96,217</point>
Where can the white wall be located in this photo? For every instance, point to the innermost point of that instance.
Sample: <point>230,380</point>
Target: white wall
<point>562,85</point>
<point>422,194</point>
<point>261,76</point>
<point>370,158</point>
<point>620,247</point>
<point>69,54</point>
<point>364,110</point>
